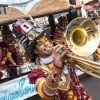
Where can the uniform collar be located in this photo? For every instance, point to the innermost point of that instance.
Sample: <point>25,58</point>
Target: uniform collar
<point>46,60</point>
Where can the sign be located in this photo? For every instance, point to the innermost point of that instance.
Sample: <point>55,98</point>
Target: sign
<point>17,89</point>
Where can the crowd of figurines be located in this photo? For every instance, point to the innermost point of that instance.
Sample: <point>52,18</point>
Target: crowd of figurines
<point>12,55</point>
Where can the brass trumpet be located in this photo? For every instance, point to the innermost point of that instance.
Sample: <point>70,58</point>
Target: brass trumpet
<point>83,38</point>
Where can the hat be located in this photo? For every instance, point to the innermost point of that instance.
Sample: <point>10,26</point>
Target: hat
<point>30,49</point>
<point>1,74</point>
<point>26,28</point>
<point>32,34</point>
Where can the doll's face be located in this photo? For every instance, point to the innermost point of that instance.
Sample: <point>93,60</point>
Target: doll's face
<point>9,37</point>
<point>41,46</point>
<point>16,45</point>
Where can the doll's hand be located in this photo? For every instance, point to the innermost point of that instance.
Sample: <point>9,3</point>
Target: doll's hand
<point>58,58</point>
<point>14,64</point>
<point>3,62</point>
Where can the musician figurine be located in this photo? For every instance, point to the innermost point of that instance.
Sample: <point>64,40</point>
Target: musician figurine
<point>62,23</point>
<point>57,34</point>
<point>15,57</point>
<point>3,59</point>
<point>54,80</point>
<point>7,35</point>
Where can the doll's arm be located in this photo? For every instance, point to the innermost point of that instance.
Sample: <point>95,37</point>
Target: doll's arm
<point>4,60</point>
<point>9,56</point>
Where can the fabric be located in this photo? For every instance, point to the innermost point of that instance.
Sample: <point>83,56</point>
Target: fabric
<point>11,49</point>
<point>3,45</point>
<point>3,54</point>
<point>35,74</point>
<point>39,90</point>
<point>69,95</point>
<point>8,55</point>
<point>16,56</point>
<point>38,73</point>
<point>75,90</point>
<point>76,87</point>
<point>1,74</point>
<point>57,35</point>
<point>83,12</point>
<point>45,60</point>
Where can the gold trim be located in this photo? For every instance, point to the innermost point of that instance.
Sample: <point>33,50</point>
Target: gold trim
<point>9,55</point>
<point>46,69</point>
<point>67,84</point>
<point>39,80</point>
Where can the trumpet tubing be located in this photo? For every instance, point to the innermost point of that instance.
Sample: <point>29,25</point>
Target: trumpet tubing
<point>84,60</point>
<point>90,67</point>
<point>88,71</point>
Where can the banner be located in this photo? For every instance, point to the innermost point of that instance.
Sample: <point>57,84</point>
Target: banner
<point>17,89</point>
<point>24,7</point>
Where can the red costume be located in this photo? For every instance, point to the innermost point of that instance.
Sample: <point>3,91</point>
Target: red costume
<point>64,92</point>
<point>15,55</point>
<point>3,57</point>
<point>3,65</point>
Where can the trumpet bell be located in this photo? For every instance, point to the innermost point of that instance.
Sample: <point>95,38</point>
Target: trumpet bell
<point>82,36</point>
<point>78,36</point>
